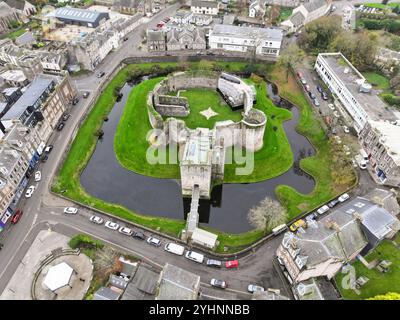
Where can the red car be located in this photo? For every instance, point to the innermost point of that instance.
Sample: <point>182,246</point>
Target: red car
<point>17,216</point>
<point>299,74</point>
<point>232,264</point>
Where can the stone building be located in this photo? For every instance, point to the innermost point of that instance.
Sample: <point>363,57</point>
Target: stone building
<point>8,16</point>
<point>156,40</point>
<point>188,38</point>
<point>205,7</point>
<point>23,7</point>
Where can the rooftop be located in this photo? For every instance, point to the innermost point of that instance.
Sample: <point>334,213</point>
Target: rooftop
<point>352,79</point>
<point>77,14</point>
<point>314,5</point>
<point>203,3</point>
<point>13,75</point>
<point>248,32</point>
<point>198,148</point>
<point>178,284</point>
<point>390,134</point>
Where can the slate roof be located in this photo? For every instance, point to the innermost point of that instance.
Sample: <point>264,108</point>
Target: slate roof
<point>25,38</point>
<point>17,4</point>
<point>155,35</point>
<point>248,32</point>
<point>203,3</point>
<point>314,5</point>
<point>297,19</point>
<point>105,293</point>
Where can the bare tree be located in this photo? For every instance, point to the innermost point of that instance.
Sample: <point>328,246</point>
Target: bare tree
<point>267,214</point>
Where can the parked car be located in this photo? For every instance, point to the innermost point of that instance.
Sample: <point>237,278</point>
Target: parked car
<point>96,219</point>
<point>331,106</point>
<point>48,148</point>
<point>126,231</point>
<point>232,264</point>
<point>218,283</point>
<point>138,235</point>
<point>38,176</point>
<point>70,210</point>
<point>312,95</point>
<point>86,94</point>
<point>214,263</point>
<point>154,241</point>
<point>316,102</point>
<point>361,162</point>
<point>44,158</point>
<point>253,288</point>
<point>174,248</point>
<point>75,101</point>
<point>111,225</point>
<point>323,209</point>
<point>299,74</point>
<point>60,126</point>
<point>307,87</point>
<point>298,224</point>
<point>319,89</point>
<point>336,114</point>
<point>29,191</point>
<point>100,74</point>
<point>303,81</point>
<point>324,96</point>
<point>311,216</point>
<point>66,116</point>
<point>344,197</point>
<point>346,129</point>
<point>333,203</point>
<point>16,216</point>
<point>194,256</point>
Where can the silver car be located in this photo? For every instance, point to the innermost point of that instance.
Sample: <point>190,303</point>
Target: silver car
<point>96,219</point>
<point>253,288</point>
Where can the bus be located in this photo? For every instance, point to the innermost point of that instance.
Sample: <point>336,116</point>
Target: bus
<point>278,229</point>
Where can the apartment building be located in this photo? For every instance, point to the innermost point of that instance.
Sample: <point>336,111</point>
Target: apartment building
<point>381,141</point>
<point>351,88</point>
<point>205,7</point>
<point>7,15</point>
<point>260,41</point>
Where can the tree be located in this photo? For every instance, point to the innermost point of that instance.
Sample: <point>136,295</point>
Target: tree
<point>387,296</point>
<point>291,56</point>
<point>318,34</point>
<point>267,214</point>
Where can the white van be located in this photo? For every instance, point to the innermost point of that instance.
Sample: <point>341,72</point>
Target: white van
<point>194,256</point>
<point>361,162</point>
<point>364,155</point>
<point>279,229</point>
<point>174,248</point>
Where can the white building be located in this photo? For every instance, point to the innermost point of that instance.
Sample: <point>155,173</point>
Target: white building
<point>350,87</point>
<point>306,13</point>
<point>205,7</point>
<point>261,41</point>
<point>257,9</point>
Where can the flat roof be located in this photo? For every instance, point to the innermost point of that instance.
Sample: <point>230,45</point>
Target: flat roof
<point>390,137</point>
<point>352,79</point>
<point>30,96</point>
<point>77,14</point>
<point>198,148</point>
<point>248,32</point>
<point>13,75</point>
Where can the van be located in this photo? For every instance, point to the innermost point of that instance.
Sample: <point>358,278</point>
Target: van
<point>194,256</point>
<point>174,248</point>
<point>364,155</point>
<point>279,229</point>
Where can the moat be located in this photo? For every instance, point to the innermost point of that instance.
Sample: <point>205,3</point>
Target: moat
<point>106,179</point>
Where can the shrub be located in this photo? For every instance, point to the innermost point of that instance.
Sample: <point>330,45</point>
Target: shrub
<point>391,99</point>
<point>83,241</point>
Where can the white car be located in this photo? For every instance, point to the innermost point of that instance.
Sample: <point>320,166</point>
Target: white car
<point>323,209</point>
<point>336,114</point>
<point>346,129</point>
<point>29,191</point>
<point>303,81</point>
<point>112,225</point>
<point>344,197</point>
<point>331,106</point>
<point>126,231</point>
<point>154,241</point>
<point>70,210</point>
<point>253,288</point>
<point>96,219</point>
<point>338,140</point>
<point>38,176</point>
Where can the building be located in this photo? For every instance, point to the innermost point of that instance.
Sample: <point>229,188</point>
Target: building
<point>305,13</point>
<point>80,17</point>
<point>189,38</point>
<point>23,7</point>
<point>204,238</point>
<point>324,246</point>
<point>26,39</point>
<point>177,284</point>
<point>350,87</point>
<point>259,41</point>
<point>201,19</point>
<point>205,7</point>
<point>257,9</point>
<point>105,293</point>
<point>8,16</point>
<point>380,139</point>
<point>156,40</point>
<point>128,6</point>
<point>15,78</point>
<point>182,17</point>
<point>43,103</point>
<point>387,199</point>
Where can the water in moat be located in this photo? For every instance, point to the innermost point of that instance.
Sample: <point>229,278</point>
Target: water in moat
<point>227,210</point>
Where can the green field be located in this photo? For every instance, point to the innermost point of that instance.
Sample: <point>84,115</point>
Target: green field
<point>381,6</point>
<point>379,283</point>
<point>202,99</point>
<point>285,12</point>
<point>377,80</point>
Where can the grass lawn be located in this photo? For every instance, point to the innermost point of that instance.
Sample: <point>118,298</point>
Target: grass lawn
<point>200,100</point>
<point>379,283</point>
<point>285,13</point>
<point>319,166</point>
<point>379,81</point>
<point>380,5</point>
<point>14,34</point>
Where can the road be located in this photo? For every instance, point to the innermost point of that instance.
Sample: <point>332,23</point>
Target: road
<point>44,210</point>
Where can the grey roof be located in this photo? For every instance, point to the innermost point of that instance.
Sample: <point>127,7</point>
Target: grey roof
<point>17,4</point>
<point>77,14</point>
<point>5,9</point>
<point>25,38</point>
<point>3,105</point>
<point>178,284</point>
<point>142,286</point>
<point>384,198</point>
<point>203,3</point>
<point>117,282</point>
<point>248,32</point>
<point>30,96</point>
<point>155,35</point>
<point>228,19</point>
<point>105,293</point>
<point>314,5</point>
<point>298,18</point>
